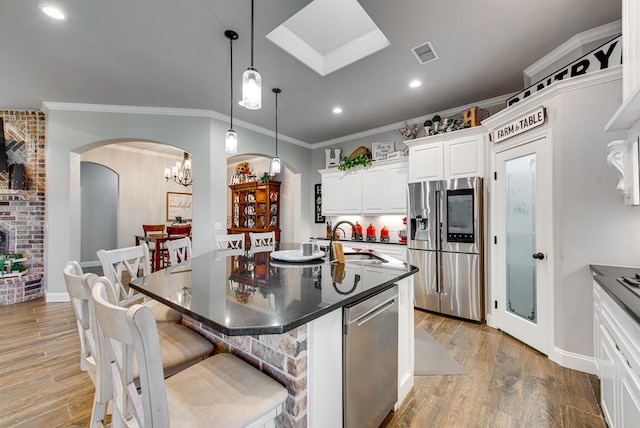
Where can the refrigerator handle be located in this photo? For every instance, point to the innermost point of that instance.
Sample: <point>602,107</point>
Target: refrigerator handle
<point>438,227</point>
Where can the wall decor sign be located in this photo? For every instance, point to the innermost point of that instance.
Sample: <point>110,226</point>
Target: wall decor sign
<point>379,150</point>
<point>605,56</point>
<point>319,218</point>
<point>520,125</point>
<point>179,205</point>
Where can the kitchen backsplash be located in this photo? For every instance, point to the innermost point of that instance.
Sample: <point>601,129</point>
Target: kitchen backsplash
<point>392,222</point>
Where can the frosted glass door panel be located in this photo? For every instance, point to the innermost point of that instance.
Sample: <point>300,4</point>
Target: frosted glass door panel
<point>520,218</point>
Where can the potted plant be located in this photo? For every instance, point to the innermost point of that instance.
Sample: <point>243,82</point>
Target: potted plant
<point>354,161</point>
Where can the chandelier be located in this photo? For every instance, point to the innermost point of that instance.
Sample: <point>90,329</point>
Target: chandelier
<point>181,173</point>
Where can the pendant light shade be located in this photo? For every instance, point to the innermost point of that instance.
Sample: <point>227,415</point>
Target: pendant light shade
<point>251,89</point>
<point>231,142</point>
<point>231,138</point>
<point>275,162</point>
<point>251,80</point>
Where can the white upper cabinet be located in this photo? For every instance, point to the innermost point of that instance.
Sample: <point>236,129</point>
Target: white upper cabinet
<point>426,162</point>
<point>464,157</point>
<point>330,203</point>
<point>384,188</point>
<point>341,192</point>
<point>457,154</point>
<point>378,189</point>
<point>350,192</point>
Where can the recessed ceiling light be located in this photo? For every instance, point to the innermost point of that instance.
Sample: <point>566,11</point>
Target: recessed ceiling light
<point>337,110</point>
<point>415,83</point>
<point>52,11</point>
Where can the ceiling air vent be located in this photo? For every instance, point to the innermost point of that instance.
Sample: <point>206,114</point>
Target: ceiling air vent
<point>425,53</point>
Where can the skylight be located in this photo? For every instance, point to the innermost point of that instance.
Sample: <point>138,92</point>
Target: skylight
<point>327,35</point>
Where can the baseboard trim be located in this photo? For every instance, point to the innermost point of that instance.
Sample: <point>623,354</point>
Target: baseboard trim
<point>573,361</point>
<point>56,297</point>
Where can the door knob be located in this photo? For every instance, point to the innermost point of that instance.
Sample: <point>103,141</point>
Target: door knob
<point>538,256</point>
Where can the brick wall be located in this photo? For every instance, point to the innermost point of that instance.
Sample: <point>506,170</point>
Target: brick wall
<point>24,132</point>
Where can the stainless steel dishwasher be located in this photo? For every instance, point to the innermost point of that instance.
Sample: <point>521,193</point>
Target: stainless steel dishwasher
<point>370,346</point>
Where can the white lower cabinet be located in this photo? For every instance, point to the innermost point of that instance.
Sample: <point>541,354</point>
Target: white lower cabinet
<point>617,353</point>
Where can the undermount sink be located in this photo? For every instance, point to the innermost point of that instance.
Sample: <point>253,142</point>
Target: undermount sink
<point>363,258</point>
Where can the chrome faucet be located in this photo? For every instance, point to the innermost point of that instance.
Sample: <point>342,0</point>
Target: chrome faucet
<point>333,235</point>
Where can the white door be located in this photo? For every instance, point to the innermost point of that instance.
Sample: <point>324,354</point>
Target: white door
<point>521,221</point>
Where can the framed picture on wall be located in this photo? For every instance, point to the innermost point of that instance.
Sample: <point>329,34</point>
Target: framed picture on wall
<point>179,205</point>
<point>317,203</point>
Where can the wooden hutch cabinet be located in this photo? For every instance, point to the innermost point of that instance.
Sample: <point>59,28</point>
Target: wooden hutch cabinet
<point>255,207</point>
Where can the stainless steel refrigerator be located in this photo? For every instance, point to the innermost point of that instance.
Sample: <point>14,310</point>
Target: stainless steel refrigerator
<point>445,241</point>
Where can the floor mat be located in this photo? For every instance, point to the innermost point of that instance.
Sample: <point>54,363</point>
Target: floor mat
<point>431,358</point>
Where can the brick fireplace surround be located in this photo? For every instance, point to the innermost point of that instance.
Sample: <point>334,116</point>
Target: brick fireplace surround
<point>22,211</point>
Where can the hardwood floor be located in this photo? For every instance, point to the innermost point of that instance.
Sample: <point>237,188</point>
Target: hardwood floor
<point>41,384</point>
<point>508,385</point>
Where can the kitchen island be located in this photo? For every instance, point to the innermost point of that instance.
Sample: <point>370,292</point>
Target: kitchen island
<point>287,319</point>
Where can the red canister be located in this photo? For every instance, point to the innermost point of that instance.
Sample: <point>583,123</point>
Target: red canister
<point>384,234</point>
<point>371,233</point>
<point>357,232</point>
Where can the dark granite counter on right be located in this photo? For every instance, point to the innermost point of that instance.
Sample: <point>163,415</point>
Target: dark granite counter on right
<point>622,294</point>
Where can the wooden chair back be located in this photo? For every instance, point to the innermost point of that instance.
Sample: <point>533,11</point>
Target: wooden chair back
<point>231,244</point>
<point>153,228</point>
<point>179,250</point>
<point>262,241</point>
<point>130,260</point>
<point>184,230</point>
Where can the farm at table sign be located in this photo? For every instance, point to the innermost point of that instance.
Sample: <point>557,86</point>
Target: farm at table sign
<point>606,56</point>
<point>520,125</point>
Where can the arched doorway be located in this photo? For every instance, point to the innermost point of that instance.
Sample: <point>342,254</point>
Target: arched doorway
<point>99,211</point>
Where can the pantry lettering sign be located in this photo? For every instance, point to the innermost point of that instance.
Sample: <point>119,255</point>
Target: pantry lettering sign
<point>520,125</point>
<point>603,57</point>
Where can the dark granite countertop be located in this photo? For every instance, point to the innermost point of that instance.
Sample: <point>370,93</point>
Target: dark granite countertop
<point>246,295</point>
<point>627,296</point>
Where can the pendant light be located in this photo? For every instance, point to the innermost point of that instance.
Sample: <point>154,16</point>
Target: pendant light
<point>251,81</point>
<point>231,138</point>
<point>275,162</point>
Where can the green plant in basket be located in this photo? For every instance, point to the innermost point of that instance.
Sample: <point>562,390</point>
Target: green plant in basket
<point>359,160</point>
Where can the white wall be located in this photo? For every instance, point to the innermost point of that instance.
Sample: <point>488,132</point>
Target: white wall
<point>142,187</point>
<point>75,129</point>
<point>591,224</point>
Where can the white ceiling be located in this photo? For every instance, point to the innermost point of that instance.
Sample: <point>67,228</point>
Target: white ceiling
<point>172,53</point>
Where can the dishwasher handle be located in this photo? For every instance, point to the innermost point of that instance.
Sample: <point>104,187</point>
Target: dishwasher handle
<point>368,316</point>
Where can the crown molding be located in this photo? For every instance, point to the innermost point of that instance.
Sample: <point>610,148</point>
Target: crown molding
<point>501,99</point>
<point>48,106</point>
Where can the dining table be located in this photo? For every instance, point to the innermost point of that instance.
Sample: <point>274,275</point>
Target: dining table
<point>158,239</point>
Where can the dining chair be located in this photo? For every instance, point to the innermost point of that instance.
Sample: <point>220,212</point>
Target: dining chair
<point>180,347</point>
<point>152,229</point>
<point>221,391</point>
<point>230,244</point>
<point>75,281</point>
<point>262,241</point>
<point>179,250</point>
<point>182,230</point>
<point>130,261</point>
